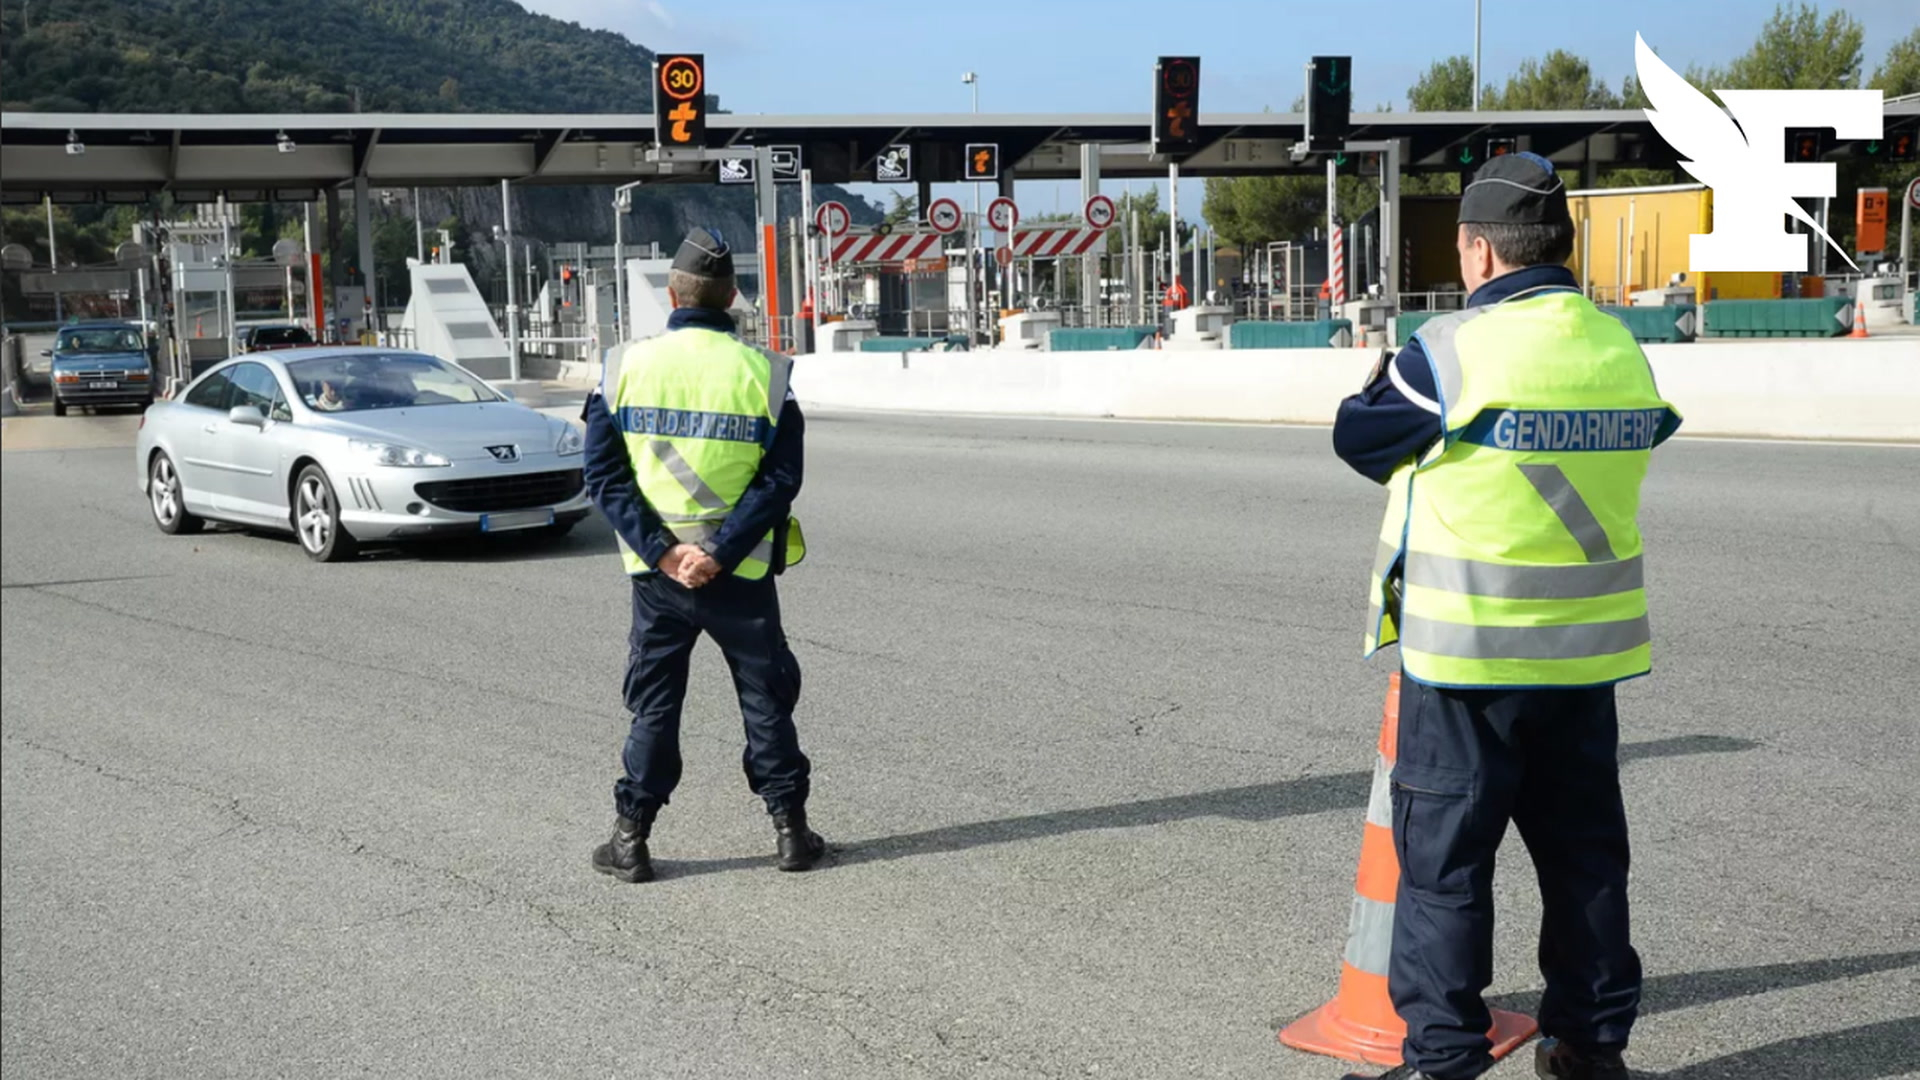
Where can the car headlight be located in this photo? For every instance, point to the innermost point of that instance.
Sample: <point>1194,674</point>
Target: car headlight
<point>571,441</point>
<point>406,457</point>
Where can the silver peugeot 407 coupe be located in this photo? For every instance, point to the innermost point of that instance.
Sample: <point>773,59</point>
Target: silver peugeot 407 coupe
<point>346,446</point>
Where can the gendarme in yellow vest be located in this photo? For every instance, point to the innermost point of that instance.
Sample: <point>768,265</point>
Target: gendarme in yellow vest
<point>698,409</point>
<point>1517,530</point>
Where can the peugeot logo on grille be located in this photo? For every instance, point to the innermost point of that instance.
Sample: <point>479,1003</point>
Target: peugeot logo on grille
<point>504,453</point>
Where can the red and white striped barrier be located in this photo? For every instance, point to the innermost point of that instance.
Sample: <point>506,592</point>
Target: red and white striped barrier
<point>893,247</point>
<point>1054,243</point>
<point>1339,275</point>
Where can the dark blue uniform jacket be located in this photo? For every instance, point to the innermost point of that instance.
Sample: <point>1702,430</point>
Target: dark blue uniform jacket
<point>1397,415</point>
<point>763,507</point>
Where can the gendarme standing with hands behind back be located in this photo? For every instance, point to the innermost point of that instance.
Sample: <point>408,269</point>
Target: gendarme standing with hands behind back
<point>696,461</point>
<point>1513,438</point>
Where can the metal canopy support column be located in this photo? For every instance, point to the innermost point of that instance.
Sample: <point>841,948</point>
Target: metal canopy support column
<point>1089,263</point>
<point>769,215</point>
<point>336,265</point>
<point>513,304</point>
<point>363,225</point>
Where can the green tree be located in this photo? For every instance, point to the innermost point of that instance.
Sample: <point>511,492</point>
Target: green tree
<point>1797,50</point>
<point>1558,80</point>
<point>904,211</point>
<point>1899,73</point>
<point>1447,86</point>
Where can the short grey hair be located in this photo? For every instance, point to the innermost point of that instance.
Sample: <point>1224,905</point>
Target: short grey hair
<point>700,291</point>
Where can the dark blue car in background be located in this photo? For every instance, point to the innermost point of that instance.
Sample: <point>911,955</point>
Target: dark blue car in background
<point>101,363</point>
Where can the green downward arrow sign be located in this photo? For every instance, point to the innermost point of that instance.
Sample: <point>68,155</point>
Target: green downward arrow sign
<point>1466,155</point>
<point>1333,83</point>
<point>1873,147</point>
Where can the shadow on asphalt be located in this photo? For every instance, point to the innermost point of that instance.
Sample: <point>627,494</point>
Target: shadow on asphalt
<point>1890,1048</point>
<point>1253,802</point>
<point>1664,993</point>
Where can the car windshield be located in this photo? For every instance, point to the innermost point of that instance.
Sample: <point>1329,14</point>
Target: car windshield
<point>282,335</point>
<point>100,340</point>
<point>384,381</point>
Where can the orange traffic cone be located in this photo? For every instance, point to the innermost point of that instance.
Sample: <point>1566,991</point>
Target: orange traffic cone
<point>1359,1024</point>
<point>1859,319</point>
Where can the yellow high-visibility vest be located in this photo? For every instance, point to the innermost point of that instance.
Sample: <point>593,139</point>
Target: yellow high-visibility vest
<point>1515,535</point>
<point>698,410</point>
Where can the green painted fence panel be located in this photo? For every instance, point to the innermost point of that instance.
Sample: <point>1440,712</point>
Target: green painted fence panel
<point>1819,318</point>
<point>1658,325</point>
<point>1318,334</point>
<point>1098,339</point>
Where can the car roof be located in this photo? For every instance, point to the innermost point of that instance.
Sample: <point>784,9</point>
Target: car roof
<point>100,324</point>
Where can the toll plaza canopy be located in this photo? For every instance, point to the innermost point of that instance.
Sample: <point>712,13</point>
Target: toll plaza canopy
<point>127,156</point>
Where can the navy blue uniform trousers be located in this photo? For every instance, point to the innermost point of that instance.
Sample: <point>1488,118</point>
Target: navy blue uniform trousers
<point>1469,761</point>
<point>743,618</point>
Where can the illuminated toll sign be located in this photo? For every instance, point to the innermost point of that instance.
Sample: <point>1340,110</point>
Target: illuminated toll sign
<point>983,161</point>
<point>680,100</point>
<point>1176,105</point>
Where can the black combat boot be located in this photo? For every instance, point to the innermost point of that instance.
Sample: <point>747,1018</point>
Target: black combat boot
<point>1555,1060</point>
<point>625,856</point>
<point>1398,1072</point>
<point>800,847</point>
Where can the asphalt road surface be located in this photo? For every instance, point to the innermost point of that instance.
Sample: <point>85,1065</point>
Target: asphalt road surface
<point>1090,729</point>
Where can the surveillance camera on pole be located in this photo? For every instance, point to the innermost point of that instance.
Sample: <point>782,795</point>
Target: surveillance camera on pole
<point>284,143</point>
<point>74,146</point>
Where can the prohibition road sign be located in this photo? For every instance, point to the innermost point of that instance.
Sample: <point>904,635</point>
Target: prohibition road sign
<point>944,216</point>
<point>832,218</point>
<point>1002,214</point>
<point>1913,194</point>
<point>1098,212</point>
<point>1003,255</point>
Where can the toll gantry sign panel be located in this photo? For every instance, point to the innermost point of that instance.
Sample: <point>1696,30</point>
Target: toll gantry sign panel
<point>680,101</point>
<point>1176,105</point>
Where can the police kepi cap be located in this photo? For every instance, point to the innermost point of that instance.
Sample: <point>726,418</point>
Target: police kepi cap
<point>704,254</point>
<point>1516,189</point>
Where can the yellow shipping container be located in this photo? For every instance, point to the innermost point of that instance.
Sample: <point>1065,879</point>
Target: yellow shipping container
<point>1628,239</point>
<point>1638,238</point>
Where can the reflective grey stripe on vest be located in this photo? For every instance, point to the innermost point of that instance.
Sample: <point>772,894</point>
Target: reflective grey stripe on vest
<point>1577,642</point>
<point>1370,935</point>
<point>779,375</point>
<point>683,472</point>
<point>1437,340</point>
<point>700,532</point>
<point>694,532</point>
<point>1571,509</point>
<point>1578,581</point>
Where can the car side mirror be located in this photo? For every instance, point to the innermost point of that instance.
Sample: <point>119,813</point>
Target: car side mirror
<point>46,352</point>
<point>247,416</point>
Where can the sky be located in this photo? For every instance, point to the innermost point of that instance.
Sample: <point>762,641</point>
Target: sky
<point>860,56</point>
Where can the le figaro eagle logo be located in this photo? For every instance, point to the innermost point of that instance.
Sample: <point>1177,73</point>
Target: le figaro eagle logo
<point>1740,156</point>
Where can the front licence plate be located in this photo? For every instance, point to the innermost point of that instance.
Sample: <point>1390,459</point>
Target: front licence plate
<point>519,519</point>
<point>103,386</point>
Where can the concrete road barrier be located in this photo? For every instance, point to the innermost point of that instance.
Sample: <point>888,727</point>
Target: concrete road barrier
<point>1867,390</point>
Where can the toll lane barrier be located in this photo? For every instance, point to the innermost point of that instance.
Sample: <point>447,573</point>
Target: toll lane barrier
<point>1098,339</point>
<point>1318,334</point>
<point>1650,325</point>
<point>1771,389</point>
<point>1828,316</point>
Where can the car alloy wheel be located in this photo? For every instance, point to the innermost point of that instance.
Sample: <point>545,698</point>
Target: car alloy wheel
<point>316,517</point>
<point>169,502</point>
